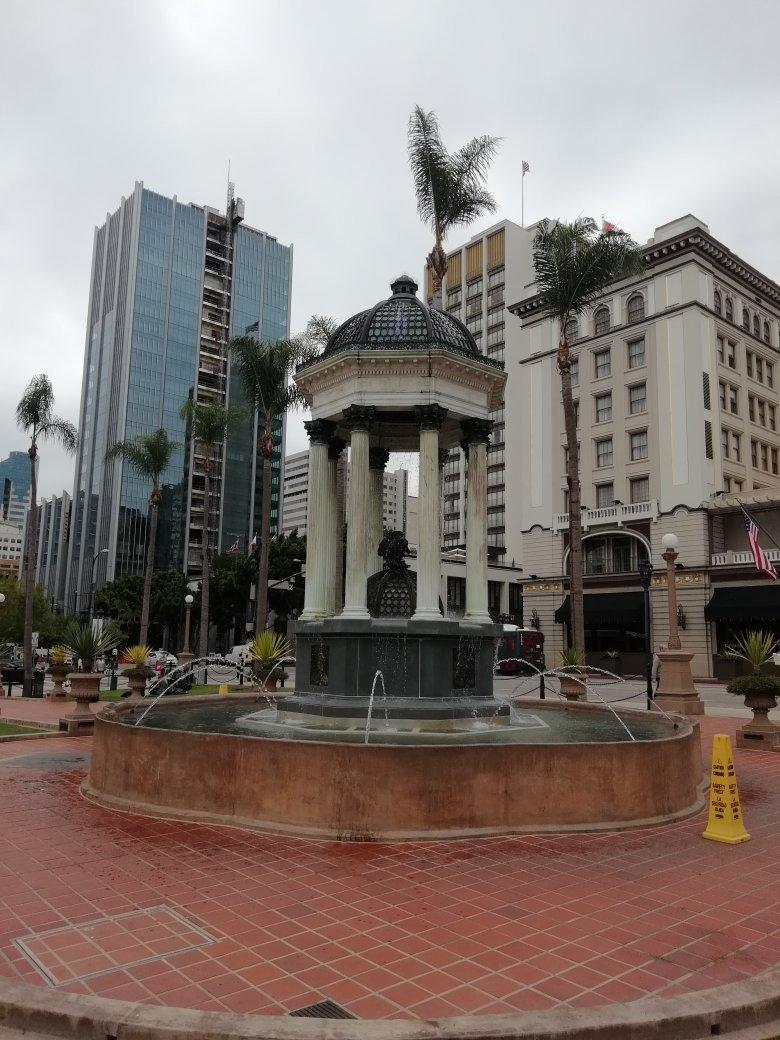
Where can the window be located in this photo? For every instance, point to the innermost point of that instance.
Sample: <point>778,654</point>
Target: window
<point>576,405</point>
<point>718,303</point>
<point>454,297</point>
<point>731,354</point>
<point>727,484</point>
<point>496,278</point>
<point>635,308</point>
<point>751,408</point>
<point>724,443</point>
<point>604,453</point>
<point>754,454</point>
<point>637,398</point>
<point>770,374</point>
<point>603,363</point>
<point>749,363</point>
<point>574,372</point>
<point>722,350</point>
<point>756,326</point>
<point>759,362</point>
<point>605,496</point>
<point>474,289</point>
<point>472,324</point>
<point>456,593</point>
<point>766,332</point>
<point>774,461</point>
<point>764,457</point>
<point>736,447</point>
<point>601,321</point>
<point>729,309</point>
<point>745,319</point>
<point>771,413</point>
<point>604,408</point>
<point>733,400</point>
<point>761,413</point>
<point>636,353</point>
<point>722,394</point>
<point>612,554</point>
<point>572,330</point>
<point>639,489</point>
<point>638,445</point>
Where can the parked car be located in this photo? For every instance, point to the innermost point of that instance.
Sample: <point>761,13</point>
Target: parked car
<point>163,657</point>
<point>518,646</point>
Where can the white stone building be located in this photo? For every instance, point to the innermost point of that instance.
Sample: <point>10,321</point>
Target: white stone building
<point>11,548</point>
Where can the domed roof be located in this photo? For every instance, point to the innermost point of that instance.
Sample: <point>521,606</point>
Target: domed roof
<point>403,321</point>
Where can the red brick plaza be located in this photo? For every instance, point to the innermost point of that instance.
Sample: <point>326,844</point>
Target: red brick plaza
<point>220,919</point>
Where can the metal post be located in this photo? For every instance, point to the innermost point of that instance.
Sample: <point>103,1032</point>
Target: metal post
<point>645,574</point>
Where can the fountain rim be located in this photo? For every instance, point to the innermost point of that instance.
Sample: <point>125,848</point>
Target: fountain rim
<point>679,726</point>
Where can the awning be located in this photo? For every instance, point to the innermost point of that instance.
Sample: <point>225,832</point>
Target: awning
<point>744,603</point>
<point>608,608</point>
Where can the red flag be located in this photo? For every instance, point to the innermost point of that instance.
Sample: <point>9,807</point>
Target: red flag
<point>526,167</point>
<point>607,228</point>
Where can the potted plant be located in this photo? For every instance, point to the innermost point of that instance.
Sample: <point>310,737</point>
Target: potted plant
<point>756,648</point>
<point>58,669</point>
<point>139,671</point>
<point>571,675</point>
<point>614,662</point>
<point>267,652</point>
<point>86,644</point>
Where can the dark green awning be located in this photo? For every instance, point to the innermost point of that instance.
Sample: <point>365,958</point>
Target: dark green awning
<point>607,608</point>
<point>744,603</point>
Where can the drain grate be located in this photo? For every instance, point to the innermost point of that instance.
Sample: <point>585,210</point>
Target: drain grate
<point>325,1009</point>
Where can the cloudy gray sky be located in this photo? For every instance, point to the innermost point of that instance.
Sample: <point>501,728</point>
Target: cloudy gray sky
<point>640,111</point>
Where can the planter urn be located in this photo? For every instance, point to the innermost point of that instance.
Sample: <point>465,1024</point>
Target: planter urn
<point>572,689</point>
<point>84,690</point>
<point>58,673</point>
<point>760,733</point>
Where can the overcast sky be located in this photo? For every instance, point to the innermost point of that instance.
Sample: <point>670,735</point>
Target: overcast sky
<point>641,111</point>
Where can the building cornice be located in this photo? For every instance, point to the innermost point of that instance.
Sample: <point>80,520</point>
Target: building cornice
<point>696,240</point>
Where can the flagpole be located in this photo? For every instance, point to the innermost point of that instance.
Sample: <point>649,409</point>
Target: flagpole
<point>522,199</point>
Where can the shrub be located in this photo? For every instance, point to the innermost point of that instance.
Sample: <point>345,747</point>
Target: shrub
<point>744,685</point>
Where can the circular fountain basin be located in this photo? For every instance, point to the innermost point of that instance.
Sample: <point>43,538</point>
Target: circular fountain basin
<point>549,767</point>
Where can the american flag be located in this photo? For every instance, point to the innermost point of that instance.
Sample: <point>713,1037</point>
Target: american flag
<point>526,167</point>
<point>763,564</point>
<point>234,547</point>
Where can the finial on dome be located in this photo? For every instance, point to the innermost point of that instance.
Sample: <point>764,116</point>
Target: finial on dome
<point>405,285</point>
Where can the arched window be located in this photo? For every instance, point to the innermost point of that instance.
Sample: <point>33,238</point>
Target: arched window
<point>718,303</point>
<point>745,319</point>
<point>766,332</point>
<point>729,309</point>
<point>601,321</point>
<point>572,330</point>
<point>756,327</point>
<point>635,308</point>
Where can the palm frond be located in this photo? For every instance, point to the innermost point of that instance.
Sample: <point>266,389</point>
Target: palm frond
<point>62,431</point>
<point>427,161</point>
<point>209,424</point>
<point>265,369</point>
<point>34,408</point>
<point>149,454</point>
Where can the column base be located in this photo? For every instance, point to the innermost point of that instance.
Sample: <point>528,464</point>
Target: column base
<point>478,619</point>
<point>427,615</point>
<point>354,614</point>
<point>313,615</point>
<point>676,691</point>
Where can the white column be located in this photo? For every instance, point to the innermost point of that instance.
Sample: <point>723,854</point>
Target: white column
<point>477,435</point>
<point>358,419</point>
<point>315,604</point>
<point>331,510</point>
<point>430,418</point>
<point>378,459</point>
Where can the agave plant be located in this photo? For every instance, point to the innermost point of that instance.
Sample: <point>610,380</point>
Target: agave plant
<point>755,648</point>
<point>87,644</point>
<point>268,649</point>
<point>138,657</point>
<point>571,658</point>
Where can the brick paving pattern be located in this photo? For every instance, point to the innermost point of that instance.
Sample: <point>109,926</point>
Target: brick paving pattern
<point>424,930</point>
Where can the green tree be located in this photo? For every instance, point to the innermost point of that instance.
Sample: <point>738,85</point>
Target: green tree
<point>574,264</point>
<point>265,369</point>
<point>450,187</point>
<point>208,425</point>
<point>34,415</point>
<point>149,455</point>
<point>46,623</point>
<point>231,578</point>
<point>122,601</point>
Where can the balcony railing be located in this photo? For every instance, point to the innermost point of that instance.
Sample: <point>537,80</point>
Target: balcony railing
<point>732,559</point>
<point>610,515</point>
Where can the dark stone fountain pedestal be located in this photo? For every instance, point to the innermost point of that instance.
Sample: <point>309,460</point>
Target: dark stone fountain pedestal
<point>431,669</point>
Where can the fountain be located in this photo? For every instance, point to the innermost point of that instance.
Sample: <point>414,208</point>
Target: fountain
<point>442,757</point>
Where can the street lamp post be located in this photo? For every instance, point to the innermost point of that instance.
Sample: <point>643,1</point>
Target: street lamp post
<point>95,559</point>
<point>676,691</point>
<point>645,574</point>
<point>185,656</point>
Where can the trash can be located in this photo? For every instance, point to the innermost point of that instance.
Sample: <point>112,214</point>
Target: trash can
<point>37,682</point>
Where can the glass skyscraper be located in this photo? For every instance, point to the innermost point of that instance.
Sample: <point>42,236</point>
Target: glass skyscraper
<point>171,282</point>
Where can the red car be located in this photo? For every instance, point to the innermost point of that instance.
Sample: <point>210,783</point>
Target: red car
<point>518,646</point>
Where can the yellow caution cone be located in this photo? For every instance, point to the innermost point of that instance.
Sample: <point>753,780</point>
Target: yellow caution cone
<point>223,689</point>
<point>725,821</point>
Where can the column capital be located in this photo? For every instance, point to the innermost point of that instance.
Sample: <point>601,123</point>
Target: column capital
<point>430,416</point>
<point>359,417</point>
<point>320,431</point>
<point>378,458</point>
<point>335,447</point>
<point>476,431</point>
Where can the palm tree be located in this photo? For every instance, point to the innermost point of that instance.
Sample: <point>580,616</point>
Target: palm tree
<point>34,416</point>
<point>208,425</point>
<point>265,368</point>
<point>450,188</point>
<point>574,265</point>
<point>149,455</point>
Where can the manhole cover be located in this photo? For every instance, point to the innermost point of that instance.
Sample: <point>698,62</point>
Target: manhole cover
<point>50,761</point>
<point>325,1009</point>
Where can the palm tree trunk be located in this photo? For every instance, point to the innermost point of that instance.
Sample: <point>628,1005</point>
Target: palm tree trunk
<point>261,613</point>
<point>29,577</point>
<point>203,634</point>
<point>575,498</point>
<point>149,568</point>
<point>438,262</point>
